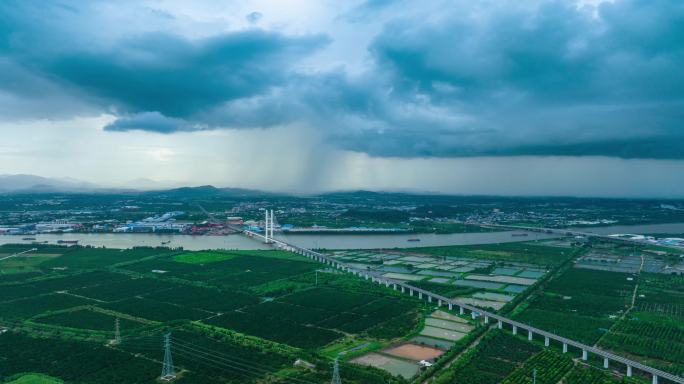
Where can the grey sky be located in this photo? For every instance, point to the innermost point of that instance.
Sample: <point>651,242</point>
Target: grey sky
<point>500,97</point>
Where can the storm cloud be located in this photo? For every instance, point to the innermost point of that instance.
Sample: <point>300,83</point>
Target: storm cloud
<point>446,79</point>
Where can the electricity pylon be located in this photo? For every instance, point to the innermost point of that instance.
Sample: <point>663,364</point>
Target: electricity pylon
<point>336,373</point>
<point>117,332</point>
<point>168,373</point>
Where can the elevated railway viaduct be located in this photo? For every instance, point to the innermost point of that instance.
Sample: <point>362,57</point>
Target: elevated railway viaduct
<point>488,317</point>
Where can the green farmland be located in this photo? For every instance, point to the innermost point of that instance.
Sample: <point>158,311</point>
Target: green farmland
<point>248,316</point>
<point>265,306</point>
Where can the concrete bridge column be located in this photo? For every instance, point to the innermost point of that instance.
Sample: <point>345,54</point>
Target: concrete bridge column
<point>420,295</point>
<point>394,286</point>
<point>515,330</point>
<point>386,284</point>
<point>655,379</point>
<point>584,355</point>
<point>411,292</point>
<point>529,335</point>
<point>629,371</point>
<point>565,348</point>
<point>499,325</point>
<point>546,341</point>
<point>605,362</point>
<point>429,299</point>
<point>486,320</point>
<point>451,306</point>
<point>402,289</point>
<point>439,302</point>
<point>473,315</point>
<point>460,310</point>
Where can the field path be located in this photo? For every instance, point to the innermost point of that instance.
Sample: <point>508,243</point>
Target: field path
<point>631,306</point>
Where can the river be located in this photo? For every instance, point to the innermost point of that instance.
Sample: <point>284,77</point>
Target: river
<point>327,241</point>
<point>637,229</point>
<point>237,241</point>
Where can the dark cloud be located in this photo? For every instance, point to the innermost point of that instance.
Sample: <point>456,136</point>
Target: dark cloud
<point>461,79</point>
<point>150,121</point>
<point>179,77</point>
<point>546,78</point>
<point>158,72</point>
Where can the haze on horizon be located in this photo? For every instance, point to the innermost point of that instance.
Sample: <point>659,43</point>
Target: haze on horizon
<point>537,97</point>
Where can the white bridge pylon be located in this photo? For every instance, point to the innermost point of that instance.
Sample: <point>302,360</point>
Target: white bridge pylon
<point>269,226</point>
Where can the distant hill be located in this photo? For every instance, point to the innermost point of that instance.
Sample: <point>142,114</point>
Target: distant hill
<point>205,191</point>
<point>39,184</point>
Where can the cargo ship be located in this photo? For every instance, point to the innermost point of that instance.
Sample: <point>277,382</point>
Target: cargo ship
<point>413,240</point>
<point>67,241</point>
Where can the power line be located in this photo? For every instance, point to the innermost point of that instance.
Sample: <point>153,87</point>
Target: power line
<point>230,367</point>
<point>216,364</point>
<point>236,360</point>
<point>250,366</point>
<point>227,357</point>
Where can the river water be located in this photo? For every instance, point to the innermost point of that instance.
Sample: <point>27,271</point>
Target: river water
<point>638,229</point>
<point>328,241</point>
<point>237,241</point>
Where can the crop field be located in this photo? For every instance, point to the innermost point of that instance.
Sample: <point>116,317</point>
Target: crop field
<point>78,361</point>
<point>91,258</point>
<point>493,359</point>
<point>316,317</point>
<point>88,319</point>
<point>527,252</point>
<point>202,257</point>
<point>549,365</point>
<point>582,374</point>
<point>264,305</point>
<point>654,330</point>
<point>155,310</point>
<point>33,378</point>
<point>581,304</point>
<point>270,308</point>
<point>23,264</point>
<point>123,289</point>
<point>29,307</point>
<point>485,276</point>
<point>239,272</point>
<point>29,288</point>
<point>207,299</point>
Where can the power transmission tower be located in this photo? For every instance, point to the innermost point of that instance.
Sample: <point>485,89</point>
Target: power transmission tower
<point>168,373</point>
<point>117,332</point>
<point>336,373</point>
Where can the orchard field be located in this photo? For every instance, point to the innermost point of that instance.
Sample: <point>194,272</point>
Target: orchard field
<point>223,309</point>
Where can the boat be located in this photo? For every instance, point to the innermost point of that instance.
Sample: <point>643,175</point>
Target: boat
<point>413,239</point>
<point>165,242</point>
<point>29,238</point>
<point>67,241</point>
<point>519,234</point>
